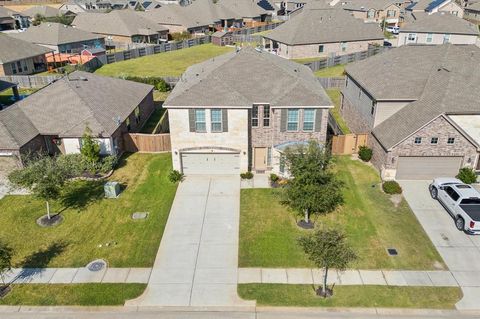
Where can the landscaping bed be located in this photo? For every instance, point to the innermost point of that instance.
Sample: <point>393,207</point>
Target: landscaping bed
<point>352,296</point>
<point>268,231</point>
<point>90,221</point>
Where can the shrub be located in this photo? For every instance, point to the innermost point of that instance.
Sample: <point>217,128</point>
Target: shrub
<point>274,177</point>
<point>391,187</point>
<point>108,163</point>
<point>74,164</point>
<point>90,147</point>
<point>175,176</point>
<point>158,82</point>
<point>365,153</point>
<point>467,175</point>
<point>246,175</point>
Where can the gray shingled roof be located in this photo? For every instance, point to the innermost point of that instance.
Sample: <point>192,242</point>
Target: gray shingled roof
<point>240,79</point>
<point>117,22</point>
<point>68,105</point>
<point>55,34</point>
<point>365,5</point>
<point>440,22</point>
<point>425,5</point>
<point>12,49</point>
<point>45,11</point>
<point>324,25</point>
<point>452,86</point>
<point>177,15</point>
<point>7,13</point>
<point>474,7</point>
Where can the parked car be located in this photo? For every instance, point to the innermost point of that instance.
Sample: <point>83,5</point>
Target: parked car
<point>461,201</point>
<point>394,30</point>
<point>387,44</point>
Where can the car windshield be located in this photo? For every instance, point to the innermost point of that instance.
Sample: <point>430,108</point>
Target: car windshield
<point>470,201</point>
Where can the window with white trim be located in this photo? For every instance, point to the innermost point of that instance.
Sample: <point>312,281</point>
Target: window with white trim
<point>429,38</point>
<point>266,115</point>
<point>412,37</point>
<point>216,119</point>
<point>434,140</point>
<point>451,140</point>
<point>390,13</point>
<point>308,120</point>
<point>269,156</point>
<point>446,38</point>
<point>343,46</point>
<point>292,119</point>
<point>255,116</point>
<point>418,140</point>
<point>200,122</point>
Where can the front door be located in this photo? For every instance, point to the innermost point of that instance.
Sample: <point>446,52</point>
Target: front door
<point>260,158</point>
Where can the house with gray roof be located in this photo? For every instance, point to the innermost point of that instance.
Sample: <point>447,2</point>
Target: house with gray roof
<point>12,20</point>
<point>54,119</point>
<point>437,28</point>
<point>321,32</point>
<point>18,57</point>
<point>61,38</point>
<point>122,27</point>
<point>374,10</point>
<point>433,6</point>
<point>240,111</point>
<point>44,11</point>
<point>472,13</point>
<point>421,107</point>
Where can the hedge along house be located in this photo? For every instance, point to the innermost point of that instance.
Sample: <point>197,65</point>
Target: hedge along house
<point>54,119</point>
<point>240,110</point>
<point>322,32</point>
<point>421,106</point>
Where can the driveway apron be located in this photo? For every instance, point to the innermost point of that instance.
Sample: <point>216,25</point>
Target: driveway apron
<point>197,261</point>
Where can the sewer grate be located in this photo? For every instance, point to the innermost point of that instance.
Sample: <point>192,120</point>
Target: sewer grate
<point>97,265</point>
<point>392,251</point>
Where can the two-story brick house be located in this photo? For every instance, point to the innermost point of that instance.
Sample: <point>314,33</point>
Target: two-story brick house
<point>421,106</point>
<point>239,111</point>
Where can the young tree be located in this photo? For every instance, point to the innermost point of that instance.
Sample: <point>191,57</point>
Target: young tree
<point>313,188</point>
<point>90,147</point>
<point>6,255</point>
<point>328,248</point>
<point>44,177</point>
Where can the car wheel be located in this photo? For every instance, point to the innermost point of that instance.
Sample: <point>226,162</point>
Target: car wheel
<point>460,223</point>
<point>434,192</point>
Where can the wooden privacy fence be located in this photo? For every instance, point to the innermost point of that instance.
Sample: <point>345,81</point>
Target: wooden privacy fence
<point>348,144</point>
<point>31,81</point>
<point>332,83</point>
<point>147,143</point>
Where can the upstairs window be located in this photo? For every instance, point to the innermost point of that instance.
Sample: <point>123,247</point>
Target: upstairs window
<point>418,140</point>
<point>292,120</point>
<point>308,120</point>
<point>216,115</point>
<point>200,123</point>
<point>266,115</point>
<point>391,13</point>
<point>434,140</point>
<point>255,116</point>
<point>451,140</point>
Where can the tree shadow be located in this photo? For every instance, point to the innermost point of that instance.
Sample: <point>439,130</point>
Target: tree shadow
<point>122,161</point>
<point>42,257</point>
<point>80,194</point>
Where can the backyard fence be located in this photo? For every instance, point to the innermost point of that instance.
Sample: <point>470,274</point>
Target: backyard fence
<point>163,125</point>
<point>31,81</point>
<point>332,83</point>
<point>147,143</point>
<point>348,144</point>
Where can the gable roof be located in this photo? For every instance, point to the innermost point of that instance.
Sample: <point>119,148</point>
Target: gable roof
<point>7,13</point>
<point>12,49</point>
<point>324,25</point>
<point>365,5</point>
<point>243,8</point>
<point>45,11</point>
<point>427,5</point>
<point>177,15</point>
<point>68,105</point>
<point>55,34</point>
<point>440,22</point>
<point>240,79</point>
<point>117,22</point>
<point>452,86</point>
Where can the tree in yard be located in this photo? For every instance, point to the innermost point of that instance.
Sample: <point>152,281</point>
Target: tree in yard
<point>6,255</point>
<point>90,148</point>
<point>328,248</point>
<point>44,177</point>
<point>313,188</point>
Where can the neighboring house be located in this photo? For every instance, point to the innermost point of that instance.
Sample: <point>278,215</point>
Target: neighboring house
<point>388,11</point>
<point>433,6</point>
<point>121,26</point>
<point>179,19</point>
<point>241,110</point>
<point>222,38</point>
<point>472,13</point>
<point>322,32</point>
<point>421,106</point>
<point>12,20</point>
<point>54,119</point>
<point>71,7</point>
<point>18,57</point>
<point>61,38</point>
<point>437,28</point>
<point>250,12</point>
<point>44,11</point>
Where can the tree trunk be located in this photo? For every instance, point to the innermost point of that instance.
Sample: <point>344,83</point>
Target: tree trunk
<point>48,209</point>
<point>307,219</point>
<point>324,287</point>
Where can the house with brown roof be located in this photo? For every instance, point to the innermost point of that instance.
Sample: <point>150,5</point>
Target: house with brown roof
<point>388,11</point>
<point>18,57</point>
<point>321,32</point>
<point>421,107</point>
<point>437,28</point>
<point>54,119</point>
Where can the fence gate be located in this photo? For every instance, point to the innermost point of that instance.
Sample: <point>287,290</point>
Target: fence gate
<point>348,144</point>
<point>147,143</point>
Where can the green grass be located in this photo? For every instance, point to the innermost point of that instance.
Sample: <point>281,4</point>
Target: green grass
<point>6,97</point>
<point>268,231</point>
<point>72,294</point>
<point>330,72</point>
<point>306,60</point>
<point>335,95</point>
<point>172,63</point>
<point>352,296</point>
<point>152,122</point>
<point>91,220</point>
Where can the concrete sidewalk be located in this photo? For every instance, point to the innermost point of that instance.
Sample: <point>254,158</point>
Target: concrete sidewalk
<point>77,275</point>
<point>358,277</point>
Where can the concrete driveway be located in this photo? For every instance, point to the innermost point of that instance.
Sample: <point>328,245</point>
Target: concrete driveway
<point>461,252</point>
<point>197,261</point>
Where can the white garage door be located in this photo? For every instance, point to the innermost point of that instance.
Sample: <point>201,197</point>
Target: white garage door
<point>427,167</point>
<point>211,163</point>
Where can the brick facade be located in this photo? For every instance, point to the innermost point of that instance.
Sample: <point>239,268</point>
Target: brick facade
<point>356,122</point>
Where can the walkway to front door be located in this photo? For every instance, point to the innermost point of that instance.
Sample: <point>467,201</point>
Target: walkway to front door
<point>197,262</point>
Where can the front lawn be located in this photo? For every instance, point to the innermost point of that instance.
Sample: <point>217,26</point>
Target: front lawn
<point>352,296</point>
<point>172,63</point>
<point>72,294</point>
<point>334,95</point>
<point>268,231</point>
<point>95,227</point>
<point>330,72</point>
